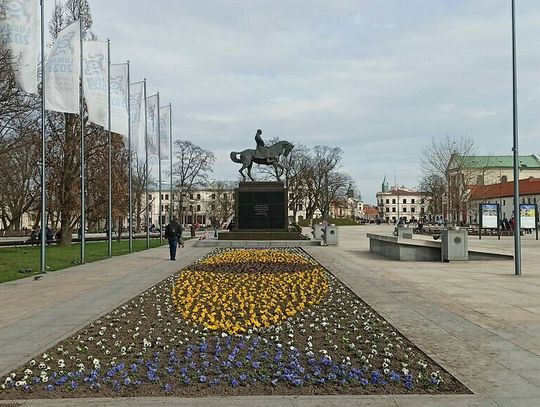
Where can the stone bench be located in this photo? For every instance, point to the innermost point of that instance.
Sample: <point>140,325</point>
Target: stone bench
<point>404,249</point>
<point>407,249</point>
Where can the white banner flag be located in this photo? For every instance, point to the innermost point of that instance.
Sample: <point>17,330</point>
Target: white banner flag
<point>95,81</point>
<point>62,71</point>
<point>18,30</point>
<point>164,131</point>
<point>136,107</point>
<point>119,95</point>
<point>152,112</point>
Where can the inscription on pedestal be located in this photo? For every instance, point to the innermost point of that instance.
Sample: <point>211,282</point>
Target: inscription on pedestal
<point>262,210</point>
<point>261,206</point>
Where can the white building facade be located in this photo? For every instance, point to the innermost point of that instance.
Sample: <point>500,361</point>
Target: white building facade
<point>400,202</point>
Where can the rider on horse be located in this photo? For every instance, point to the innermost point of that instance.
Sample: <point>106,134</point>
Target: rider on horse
<point>262,155</point>
<point>261,151</point>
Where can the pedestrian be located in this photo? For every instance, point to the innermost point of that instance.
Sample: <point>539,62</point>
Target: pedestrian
<point>172,233</point>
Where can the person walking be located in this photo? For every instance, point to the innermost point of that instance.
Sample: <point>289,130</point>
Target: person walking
<point>172,233</point>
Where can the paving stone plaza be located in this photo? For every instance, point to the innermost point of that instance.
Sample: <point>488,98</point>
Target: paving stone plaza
<point>476,319</point>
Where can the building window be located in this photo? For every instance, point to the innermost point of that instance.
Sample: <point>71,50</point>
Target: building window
<point>404,209</point>
<point>191,208</point>
<point>300,207</point>
<point>412,200</point>
<point>504,178</point>
<point>161,196</point>
<point>213,207</point>
<point>224,195</point>
<point>190,196</point>
<point>213,196</point>
<point>184,208</point>
<point>404,201</point>
<point>161,208</point>
<point>480,180</point>
<point>150,196</point>
<point>422,201</point>
<point>387,200</point>
<point>504,202</point>
<point>387,209</point>
<point>198,196</point>
<point>167,196</point>
<point>393,209</point>
<point>393,200</point>
<point>413,209</point>
<point>166,207</point>
<point>198,208</point>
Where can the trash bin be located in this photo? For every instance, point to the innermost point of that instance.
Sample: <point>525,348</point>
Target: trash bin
<point>404,231</point>
<point>331,235</point>
<point>317,231</point>
<point>454,244</point>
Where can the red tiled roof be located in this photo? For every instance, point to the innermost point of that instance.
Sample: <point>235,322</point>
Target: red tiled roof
<point>529,186</point>
<point>370,210</point>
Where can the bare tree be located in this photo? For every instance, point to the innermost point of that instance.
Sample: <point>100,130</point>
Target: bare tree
<point>18,152</point>
<point>17,187</point>
<point>191,169</point>
<point>221,202</point>
<point>335,186</point>
<point>57,22</point>
<point>320,182</point>
<point>296,174</point>
<point>444,174</point>
<point>18,110</point>
<point>140,178</point>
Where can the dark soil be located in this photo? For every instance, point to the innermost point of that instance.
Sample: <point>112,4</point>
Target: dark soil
<point>143,348</point>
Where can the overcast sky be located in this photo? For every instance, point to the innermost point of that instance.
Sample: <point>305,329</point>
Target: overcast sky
<point>378,79</point>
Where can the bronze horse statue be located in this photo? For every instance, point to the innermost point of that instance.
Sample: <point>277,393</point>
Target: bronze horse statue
<point>249,156</point>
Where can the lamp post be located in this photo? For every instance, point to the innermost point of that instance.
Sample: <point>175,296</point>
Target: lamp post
<point>517,223</point>
<point>500,188</point>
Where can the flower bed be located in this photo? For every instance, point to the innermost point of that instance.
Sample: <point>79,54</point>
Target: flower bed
<point>242,321</point>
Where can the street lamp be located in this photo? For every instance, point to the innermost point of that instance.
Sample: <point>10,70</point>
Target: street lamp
<point>500,188</point>
<point>517,223</point>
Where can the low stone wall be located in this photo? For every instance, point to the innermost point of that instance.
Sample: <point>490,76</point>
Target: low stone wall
<point>404,249</point>
<point>256,243</point>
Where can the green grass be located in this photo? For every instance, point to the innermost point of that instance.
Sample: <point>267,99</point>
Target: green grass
<point>27,257</point>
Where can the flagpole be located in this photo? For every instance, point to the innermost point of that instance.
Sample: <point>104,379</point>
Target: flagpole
<point>170,160</point>
<point>130,191</point>
<point>159,171</point>
<point>109,140</point>
<point>42,265</point>
<point>517,212</point>
<point>83,181</point>
<point>147,200</point>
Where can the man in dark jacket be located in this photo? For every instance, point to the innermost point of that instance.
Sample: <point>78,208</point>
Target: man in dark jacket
<point>172,233</point>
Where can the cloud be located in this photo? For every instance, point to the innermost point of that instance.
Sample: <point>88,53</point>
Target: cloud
<point>480,113</point>
<point>378,79</point>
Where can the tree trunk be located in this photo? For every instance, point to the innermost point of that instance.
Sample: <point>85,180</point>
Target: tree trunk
<point>119,229</point>
<point>65,233</point>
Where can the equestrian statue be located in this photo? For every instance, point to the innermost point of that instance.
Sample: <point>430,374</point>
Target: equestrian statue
<point>262,155</point>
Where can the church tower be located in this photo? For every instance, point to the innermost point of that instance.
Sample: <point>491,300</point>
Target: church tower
<point>384,185</point>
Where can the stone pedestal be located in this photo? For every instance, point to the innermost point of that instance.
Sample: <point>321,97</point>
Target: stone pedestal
<point>261,206</point>
<point>261,213</point>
